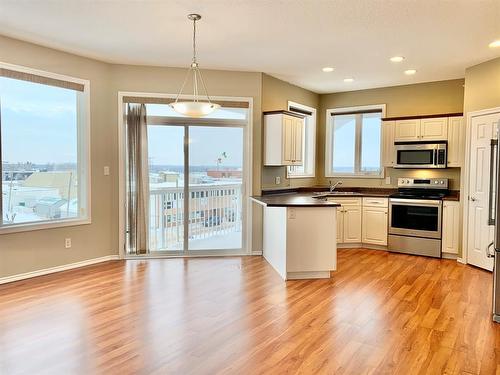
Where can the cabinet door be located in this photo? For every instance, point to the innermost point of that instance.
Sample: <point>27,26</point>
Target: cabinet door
<point>434,129</point>
<point>456,145</point>
<point>388,143</point>
<point>407,130</point>
<point>352,224</point>
<point>451,227</point>
<point>288,139</point>
<point>375,225</point>
<point>340,224</point>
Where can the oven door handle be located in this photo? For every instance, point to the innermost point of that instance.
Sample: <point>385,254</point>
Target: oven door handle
<point>415,202</point>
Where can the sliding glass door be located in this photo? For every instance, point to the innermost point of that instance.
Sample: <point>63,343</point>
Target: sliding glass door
<point>215,187</point>
<point>196,184</point>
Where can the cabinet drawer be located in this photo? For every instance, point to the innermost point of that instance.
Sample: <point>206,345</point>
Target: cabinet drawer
<point>346,201</point>
<point>375,202</point>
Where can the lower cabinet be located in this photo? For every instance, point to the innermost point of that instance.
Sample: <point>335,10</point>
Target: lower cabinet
<point>451,227</point>
<point>349,220</point>
<point>362,221</point>
<point>375,225</point>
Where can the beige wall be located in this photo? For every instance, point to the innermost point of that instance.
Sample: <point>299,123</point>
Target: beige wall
<point>417,99</point>
<point>482,86</point>
<point>35,250</point>
<point>30,251</point>
<point>275,95</point>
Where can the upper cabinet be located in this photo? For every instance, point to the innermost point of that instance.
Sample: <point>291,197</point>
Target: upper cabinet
<point>407,130</point>
<point>425,129</point>
<point>456,141</point>
<point>434,129</point>
<point>388,151</point>
<point>283,138</point>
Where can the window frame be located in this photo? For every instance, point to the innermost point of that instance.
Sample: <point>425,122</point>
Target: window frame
<point>309,143</point>
<point>83,157</point>
<point>329,142</point>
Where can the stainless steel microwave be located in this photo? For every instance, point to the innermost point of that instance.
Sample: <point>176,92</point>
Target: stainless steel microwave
<point>421,154</point>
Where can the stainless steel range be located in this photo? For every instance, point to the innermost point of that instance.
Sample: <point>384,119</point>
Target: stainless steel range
<point>415,216</point>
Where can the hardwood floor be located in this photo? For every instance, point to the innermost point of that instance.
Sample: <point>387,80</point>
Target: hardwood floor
<point>381,313</point>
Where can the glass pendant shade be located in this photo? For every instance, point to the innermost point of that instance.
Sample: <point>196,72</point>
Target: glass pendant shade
<point>194,109</point>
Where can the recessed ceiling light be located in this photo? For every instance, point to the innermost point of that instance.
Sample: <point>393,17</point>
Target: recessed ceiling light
<point>397,58</point>
<point>328,69</point>
<point>348,79</point>
<point>410,72</point>
<point>494,44</point>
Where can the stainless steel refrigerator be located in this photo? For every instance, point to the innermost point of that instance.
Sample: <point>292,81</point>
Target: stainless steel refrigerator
<point>494,219</point>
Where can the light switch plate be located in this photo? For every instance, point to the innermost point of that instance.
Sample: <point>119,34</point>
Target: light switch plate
<point>388,180</point>
<point>277,180</point>
<point>106,170</point>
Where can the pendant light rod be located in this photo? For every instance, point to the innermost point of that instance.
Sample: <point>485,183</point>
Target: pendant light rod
<point>194,108</point>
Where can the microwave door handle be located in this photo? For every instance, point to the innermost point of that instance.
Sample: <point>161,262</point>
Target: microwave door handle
<point>435,157</point>
<point>493,180</point>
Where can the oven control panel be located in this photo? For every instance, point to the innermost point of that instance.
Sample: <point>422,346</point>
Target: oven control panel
<point>423,183</point>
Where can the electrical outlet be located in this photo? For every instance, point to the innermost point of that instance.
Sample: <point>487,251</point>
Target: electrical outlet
<point>277,180</point>
<point>388,180</point>
<point>67,243</point>
<point>291,213</point>
<point>106,170</point>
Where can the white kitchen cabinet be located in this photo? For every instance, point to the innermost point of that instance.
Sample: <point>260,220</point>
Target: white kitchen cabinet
<point>407,130</point>
<point>451,227</point>
<point>283,138</point>
<point>434,129</point>
<point>348,220</point>
<point>456,144</point>
<point>388,151</point>
<point>375,223</point>
<point>424,129</point>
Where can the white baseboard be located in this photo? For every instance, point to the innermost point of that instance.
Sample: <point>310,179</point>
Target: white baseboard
<point>361,246</point>
<point>449,256</point>
<point>461,260</point>
<point>65,267</point>
<point>257,252</point>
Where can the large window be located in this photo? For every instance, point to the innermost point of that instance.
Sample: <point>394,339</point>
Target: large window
<point>307,169</point>
<point>44,140</point>
<point>353,142</point>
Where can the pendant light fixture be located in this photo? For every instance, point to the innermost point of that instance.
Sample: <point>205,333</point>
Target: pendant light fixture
<point>195,107</point>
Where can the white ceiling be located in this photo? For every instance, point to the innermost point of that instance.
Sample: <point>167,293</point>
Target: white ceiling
<point>289,39</point>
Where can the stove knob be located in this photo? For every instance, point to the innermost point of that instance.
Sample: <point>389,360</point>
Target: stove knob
<point>442,182</point>
<point>436,182</point>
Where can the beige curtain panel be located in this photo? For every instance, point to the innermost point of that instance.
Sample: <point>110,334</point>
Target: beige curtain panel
<point>137,179</point>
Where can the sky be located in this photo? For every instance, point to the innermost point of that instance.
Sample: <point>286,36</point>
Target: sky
<point>38,123</point>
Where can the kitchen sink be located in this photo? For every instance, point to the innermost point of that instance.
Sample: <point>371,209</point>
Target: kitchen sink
<point>326,194</point>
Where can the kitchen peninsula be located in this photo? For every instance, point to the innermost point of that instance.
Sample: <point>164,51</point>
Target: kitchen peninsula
<point>299,239</point>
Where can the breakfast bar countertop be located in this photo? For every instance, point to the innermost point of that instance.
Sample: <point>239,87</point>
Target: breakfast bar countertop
<point>293,200</point>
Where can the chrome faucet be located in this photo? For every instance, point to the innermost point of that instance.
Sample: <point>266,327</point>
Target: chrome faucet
<point>332,187</point>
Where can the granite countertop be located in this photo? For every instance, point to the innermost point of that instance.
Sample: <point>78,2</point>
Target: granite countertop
<point>293,200</point>
<point>304,194</point>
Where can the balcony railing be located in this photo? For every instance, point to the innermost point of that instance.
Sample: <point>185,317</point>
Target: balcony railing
<point>214,217</point>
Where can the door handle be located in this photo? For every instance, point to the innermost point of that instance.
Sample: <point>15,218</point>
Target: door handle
<point>493,148</point>
<point>472,199</point>
<point>488,252</point>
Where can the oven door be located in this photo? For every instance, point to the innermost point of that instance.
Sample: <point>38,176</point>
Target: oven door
<point>424,155</point>
<point>415,217</point>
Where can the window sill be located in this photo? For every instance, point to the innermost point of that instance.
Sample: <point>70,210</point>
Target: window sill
<point>28,227</point>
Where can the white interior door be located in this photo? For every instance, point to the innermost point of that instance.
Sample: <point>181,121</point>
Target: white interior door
<point>480,234</point>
